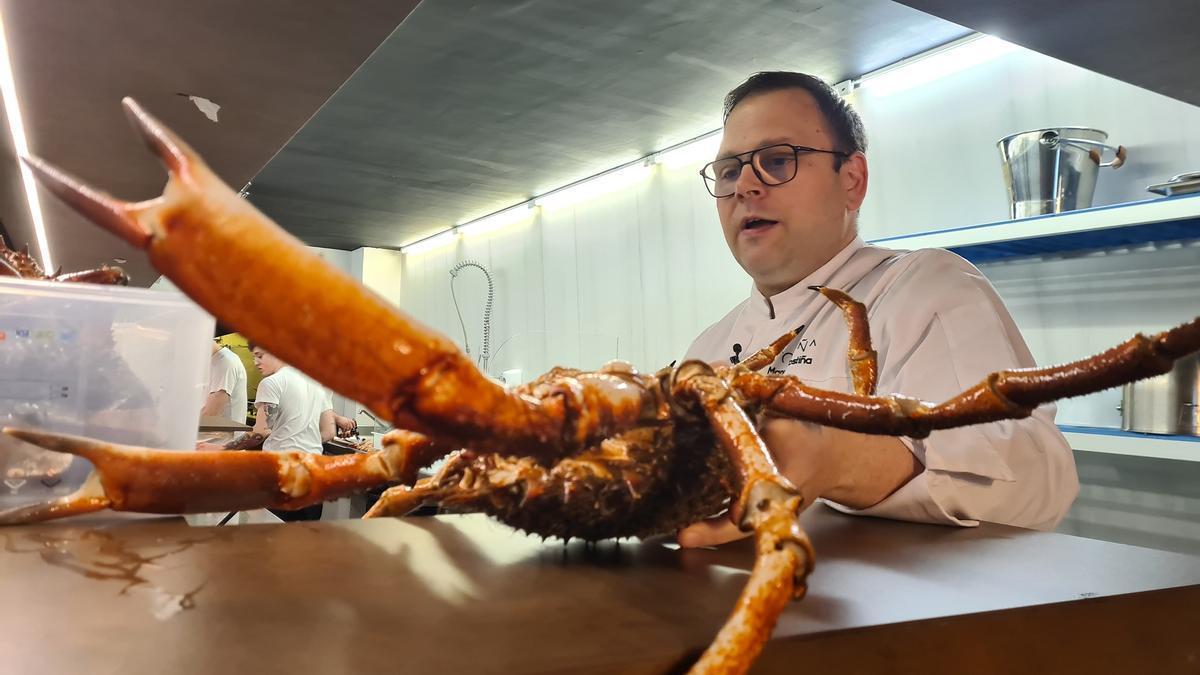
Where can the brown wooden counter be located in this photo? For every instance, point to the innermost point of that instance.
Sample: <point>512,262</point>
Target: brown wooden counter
<point>465,594</point>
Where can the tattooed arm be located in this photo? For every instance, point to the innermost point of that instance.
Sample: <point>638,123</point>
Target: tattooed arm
<point>253,439</point>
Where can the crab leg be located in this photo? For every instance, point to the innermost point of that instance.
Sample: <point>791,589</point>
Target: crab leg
<point>781,563</point>
<point>127,478</point>
<point>7,270</point>
<point>763,357</point>
<point>864,368</point>
<point>1009,394</point>
<point>767,503</point>
<point>236,263</point>
<point>20,265</point>
<point>460,483</point>
<point>592,495</point>
<point>100,275</point>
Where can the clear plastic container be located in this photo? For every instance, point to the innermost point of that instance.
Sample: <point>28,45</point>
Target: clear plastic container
<point>126,365</point>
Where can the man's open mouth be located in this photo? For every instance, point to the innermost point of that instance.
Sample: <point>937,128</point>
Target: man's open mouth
<point>757,223</point>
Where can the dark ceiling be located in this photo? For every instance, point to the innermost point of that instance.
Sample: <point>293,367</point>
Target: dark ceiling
<point>269,64</point>
<point>471,106</point>
<point>1151,43</point>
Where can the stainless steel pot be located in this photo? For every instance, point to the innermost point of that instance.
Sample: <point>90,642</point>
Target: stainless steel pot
<point>1166,404</point>
<point>1054,170</point>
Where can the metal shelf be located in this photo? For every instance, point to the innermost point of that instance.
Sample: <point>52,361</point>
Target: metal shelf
<point>1118,442</point>
<point>1154,220</point>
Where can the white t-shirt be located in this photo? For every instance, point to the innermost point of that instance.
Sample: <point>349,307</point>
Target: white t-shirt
<point>938,327</point>
<point>295,419</point>
<point>227,373</point>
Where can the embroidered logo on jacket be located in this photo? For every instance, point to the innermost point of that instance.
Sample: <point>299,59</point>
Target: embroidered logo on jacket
<point>791,358</point>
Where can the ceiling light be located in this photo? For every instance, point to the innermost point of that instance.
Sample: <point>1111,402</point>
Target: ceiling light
<point>699,150</point>
<point>599,184</point>
<point>497,220</point>
<point>937,63</point>
<point>8,88</point>
<point>429,243</point>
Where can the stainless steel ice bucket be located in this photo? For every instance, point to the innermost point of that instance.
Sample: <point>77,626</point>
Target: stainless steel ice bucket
<point>1165,404</point>
<point>1054,170</point>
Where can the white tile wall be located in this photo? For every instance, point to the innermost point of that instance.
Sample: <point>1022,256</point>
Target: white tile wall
<point>632,275</point>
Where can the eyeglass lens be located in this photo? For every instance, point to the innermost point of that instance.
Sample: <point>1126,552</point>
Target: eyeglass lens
<point>773,165</point>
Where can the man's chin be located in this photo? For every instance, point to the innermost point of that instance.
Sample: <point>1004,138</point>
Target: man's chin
<point>759,261</point>
<point>772,277</point>
<point>779,276</point>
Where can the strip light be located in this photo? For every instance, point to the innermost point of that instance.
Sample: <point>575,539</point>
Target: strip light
<point>699,150</point>
<point>497,220</point>
<point>602,183</point>
<point>8,88</point>
<point>936,63</point>
<point>443,238</point>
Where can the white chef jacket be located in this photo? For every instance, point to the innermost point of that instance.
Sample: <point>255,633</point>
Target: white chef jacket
<point>938,327</point>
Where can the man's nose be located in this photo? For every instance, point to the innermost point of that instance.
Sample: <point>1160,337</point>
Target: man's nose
<point>748,183</point>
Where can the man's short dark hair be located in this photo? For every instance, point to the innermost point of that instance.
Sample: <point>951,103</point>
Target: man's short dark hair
<point>844,123</point>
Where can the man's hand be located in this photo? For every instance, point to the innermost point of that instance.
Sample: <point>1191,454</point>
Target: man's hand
<point>711,532</point>
<point>798,450</point>
<point>345,425</point>
<point>857,470</point>
<point>248,441</point>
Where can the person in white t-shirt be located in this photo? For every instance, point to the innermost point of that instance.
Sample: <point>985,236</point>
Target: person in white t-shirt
<point>789,178</point>
<point>226,386</point>
<point>293,412</point>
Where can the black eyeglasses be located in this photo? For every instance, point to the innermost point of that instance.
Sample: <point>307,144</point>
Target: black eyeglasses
<point>773,165</point>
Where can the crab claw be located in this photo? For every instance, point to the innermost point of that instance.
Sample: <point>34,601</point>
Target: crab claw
<point>114,215</point>
<point>247,271</point>
<point>171,149</point>
<point>128,478</point>
<point>112,276</point>
<point>233,261</point>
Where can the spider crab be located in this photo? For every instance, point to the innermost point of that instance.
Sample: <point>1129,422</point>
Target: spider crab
<point>20,264</point>
<point>595,455</point>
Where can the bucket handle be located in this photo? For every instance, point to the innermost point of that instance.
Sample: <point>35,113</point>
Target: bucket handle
<point>1094,149</point>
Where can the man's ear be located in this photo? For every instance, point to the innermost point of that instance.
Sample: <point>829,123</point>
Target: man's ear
<point>854,180</point>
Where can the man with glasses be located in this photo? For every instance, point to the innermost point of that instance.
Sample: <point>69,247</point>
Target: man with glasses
<point>788,180</point>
